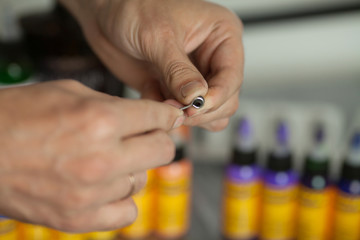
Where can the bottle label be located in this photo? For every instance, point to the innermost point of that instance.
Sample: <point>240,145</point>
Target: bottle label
<point>33,232</point>
<point>69,236</point>
<point>108,235</point>
<point>144,200</point>
<point>279,213</point>
<point>241,204</point>
<point>142,225</point>
<point>314,204</point>
<point>7,229</point>
<point>347,217</point>
<point>173,199</point>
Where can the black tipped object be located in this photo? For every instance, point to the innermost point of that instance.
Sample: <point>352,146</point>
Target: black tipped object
<point>198,102</point>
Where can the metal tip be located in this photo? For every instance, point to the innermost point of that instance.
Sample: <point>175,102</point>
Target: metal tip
<point>198,102</point>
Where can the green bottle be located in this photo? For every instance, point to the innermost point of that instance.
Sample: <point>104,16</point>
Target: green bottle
<point>15,66</point>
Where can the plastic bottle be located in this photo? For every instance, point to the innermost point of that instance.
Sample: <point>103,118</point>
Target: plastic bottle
<point>242,188</point>
<point>143,225</point>
<point>347,209</point>
<point>280,191</point>
<point>173,192</point>
<point>106,235</point>
<point>57,235</point>
<point>33,232</point>
<point>316,193</point>
<point>7,229</point>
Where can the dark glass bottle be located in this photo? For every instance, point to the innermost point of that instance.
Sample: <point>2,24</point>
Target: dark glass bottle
<point>15,65</point>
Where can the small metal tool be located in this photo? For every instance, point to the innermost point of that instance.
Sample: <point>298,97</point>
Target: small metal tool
<point>197,103</point>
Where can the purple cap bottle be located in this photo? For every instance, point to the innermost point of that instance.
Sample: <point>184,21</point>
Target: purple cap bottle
<point>280,190</point>
<point>242,187</point>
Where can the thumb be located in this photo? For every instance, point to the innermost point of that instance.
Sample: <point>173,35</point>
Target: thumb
<point>179,74</point>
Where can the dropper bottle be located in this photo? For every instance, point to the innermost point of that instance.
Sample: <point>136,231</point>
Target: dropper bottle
<point>173,184</point>
<point>280,189</point>
<point>347,209</point>
<point>8,229</point>
<point>242,187</point>
<point>316,194</point>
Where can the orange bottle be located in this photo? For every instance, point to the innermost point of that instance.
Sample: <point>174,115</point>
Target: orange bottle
<point>33,232</point>
<point>173,191</point>
<point>7,229</point>
<point>57,235</point>
<point>143,225</point>
<point>107,235</point>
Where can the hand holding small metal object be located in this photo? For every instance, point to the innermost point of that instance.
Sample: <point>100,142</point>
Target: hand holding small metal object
<point>197,103</point>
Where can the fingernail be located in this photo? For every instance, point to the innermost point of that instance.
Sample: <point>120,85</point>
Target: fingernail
<point>179,121</point>
<point>189,88</point>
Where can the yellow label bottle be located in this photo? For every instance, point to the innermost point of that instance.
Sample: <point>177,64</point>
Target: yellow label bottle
<point>347,208</point>
<point>144,224</point>
<point>314,204</point>
<point>107,235</point>
<point>69,236</point>
<point>278,216</point>
<point>173,184</point>
<point>347,217</point>
<point>33,232</point>
<point>242,187</point>
<point>241,210</point>
<point>7,229</point>
<point>316,197</point>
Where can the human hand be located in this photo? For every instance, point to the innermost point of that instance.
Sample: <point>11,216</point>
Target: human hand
<point>67,153</point>
<point>170,49</point>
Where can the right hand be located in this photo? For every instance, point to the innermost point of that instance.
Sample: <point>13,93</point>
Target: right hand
<point>170,49</point>
<point>67,152</point>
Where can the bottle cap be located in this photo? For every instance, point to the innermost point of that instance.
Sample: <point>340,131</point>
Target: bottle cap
<point>314,167</point>
<point>350,172</point>
<point>179,154</point>
<point>279,164</point>
<point>244,158</point>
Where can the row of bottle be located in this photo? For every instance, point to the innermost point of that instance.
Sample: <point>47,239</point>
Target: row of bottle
<point>276,203</point>
<point>163,206</point>
<point>265,204</point>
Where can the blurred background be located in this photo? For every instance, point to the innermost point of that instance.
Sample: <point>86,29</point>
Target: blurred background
<point>302,67</point>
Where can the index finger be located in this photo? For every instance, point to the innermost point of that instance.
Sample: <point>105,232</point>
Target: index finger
<point>142,115</point>
<point>224,60</point>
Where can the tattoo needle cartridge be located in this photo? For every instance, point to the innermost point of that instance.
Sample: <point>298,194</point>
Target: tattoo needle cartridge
<point>197,103</point>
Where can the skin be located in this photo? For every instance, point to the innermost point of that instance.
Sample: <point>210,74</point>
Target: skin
<point>63,145</point>
<point>170,49</point>
<point>66,165</point>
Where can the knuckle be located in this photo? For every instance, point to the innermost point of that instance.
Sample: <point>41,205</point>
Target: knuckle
<point>98,117</point>
<point>93,170</point>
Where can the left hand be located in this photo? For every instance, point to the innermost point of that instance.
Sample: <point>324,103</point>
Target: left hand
<point>170,49</point>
